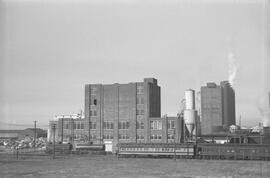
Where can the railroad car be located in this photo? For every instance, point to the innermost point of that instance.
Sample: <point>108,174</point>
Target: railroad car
<point>233,151</point>
<point>90,147</point>
<point>59,148</point>
<point>184,150</point>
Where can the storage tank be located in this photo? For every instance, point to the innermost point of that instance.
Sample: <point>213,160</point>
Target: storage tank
<point>190,120</point>
<point>190,99</point>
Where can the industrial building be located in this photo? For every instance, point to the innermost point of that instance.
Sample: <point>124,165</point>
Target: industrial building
<point>128,113</point>
<point>217,108</point>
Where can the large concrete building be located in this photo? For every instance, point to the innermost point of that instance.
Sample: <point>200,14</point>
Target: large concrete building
<point>217,107</point>
<point>121,112</point>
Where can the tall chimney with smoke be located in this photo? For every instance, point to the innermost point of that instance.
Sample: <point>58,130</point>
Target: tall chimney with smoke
<point>265,104</point>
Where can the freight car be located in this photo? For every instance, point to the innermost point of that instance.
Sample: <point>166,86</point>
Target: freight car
<point>233,151</point>
<point>90,147</point>
<point>184,150</point>
<point>58,148</point>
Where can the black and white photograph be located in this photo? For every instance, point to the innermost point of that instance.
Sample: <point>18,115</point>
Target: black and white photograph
<point>135,88</point>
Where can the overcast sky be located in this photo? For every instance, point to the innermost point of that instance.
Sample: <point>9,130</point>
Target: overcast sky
<point>51,49</point>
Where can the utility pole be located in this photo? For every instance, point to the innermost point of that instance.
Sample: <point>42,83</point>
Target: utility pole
<point>35,126</point>
<point>54,127</point>
<point>174,133</point>
<point>62,130</point>
<point>72,132</point>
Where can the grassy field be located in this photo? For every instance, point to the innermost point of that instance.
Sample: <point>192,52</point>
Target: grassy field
<point>110,166</point>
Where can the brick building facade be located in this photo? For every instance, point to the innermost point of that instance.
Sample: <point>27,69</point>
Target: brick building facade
<point>217,107</point>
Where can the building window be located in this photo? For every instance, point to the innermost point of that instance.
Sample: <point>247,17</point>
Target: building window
<point>140,137</point>
<point>93,137</point>
<point>82,126</point>
<point>156,137</point>
<point>170,137</point>
<point>140,100</point>
<point>92,125</point>
<point>108,136</point>
<point>93,91</point>
<point>107,125</point>
<point>95,102</point>
<point>156,125</point>
<point>123,125</point>
<point>140,125</point>
<point>139,89</point>
<point>77,126</point>
<point>93,112</point>
<point>171,124</point>
<point>140,112</point>
<point>123,137</point>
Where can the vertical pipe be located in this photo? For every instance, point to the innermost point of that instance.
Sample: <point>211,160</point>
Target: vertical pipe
<point>62,131</point>
<point>54,127</point>
<point>35,134</point>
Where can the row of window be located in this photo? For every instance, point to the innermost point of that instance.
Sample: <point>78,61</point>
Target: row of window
<point>108,125</point>
<point>123,125</point>
<point>93,90</point>
<point>156,125</point>
<point>75,126</point>
<point>139,112</point>
<point>156,137</point>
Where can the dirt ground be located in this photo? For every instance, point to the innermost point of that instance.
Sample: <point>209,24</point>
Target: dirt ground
<point>110,166</point>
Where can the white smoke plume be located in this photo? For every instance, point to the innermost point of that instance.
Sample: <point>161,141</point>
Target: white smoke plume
<point>264,106</point>
<point>233,69</point>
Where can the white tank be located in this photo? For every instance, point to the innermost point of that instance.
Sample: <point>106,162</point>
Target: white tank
<point>190,99</point>
<point>190,120</point>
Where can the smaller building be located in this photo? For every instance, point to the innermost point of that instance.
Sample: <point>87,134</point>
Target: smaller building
<point>67,129</point>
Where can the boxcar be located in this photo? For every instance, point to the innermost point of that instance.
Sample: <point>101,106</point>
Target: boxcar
<point>233,151</point>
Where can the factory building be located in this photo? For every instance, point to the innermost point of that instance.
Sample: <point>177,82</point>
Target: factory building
<point>68,128</point>
<point>217,108</point>
<point>120,112</point>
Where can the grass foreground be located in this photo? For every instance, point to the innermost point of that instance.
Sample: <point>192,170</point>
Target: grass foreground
<point>110,166</point>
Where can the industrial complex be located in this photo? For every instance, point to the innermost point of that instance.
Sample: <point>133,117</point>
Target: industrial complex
<point>128,116</point>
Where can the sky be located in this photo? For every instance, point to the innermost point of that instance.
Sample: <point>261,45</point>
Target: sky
<point>50,49</point>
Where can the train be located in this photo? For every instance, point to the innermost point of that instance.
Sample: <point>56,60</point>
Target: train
<point>196,151</point>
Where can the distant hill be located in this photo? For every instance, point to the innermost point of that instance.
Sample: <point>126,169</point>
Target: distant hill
<point>15,126</point>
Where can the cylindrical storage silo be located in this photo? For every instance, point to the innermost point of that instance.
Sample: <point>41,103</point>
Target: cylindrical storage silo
<point>190,99</point>
<point>190,119</point>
